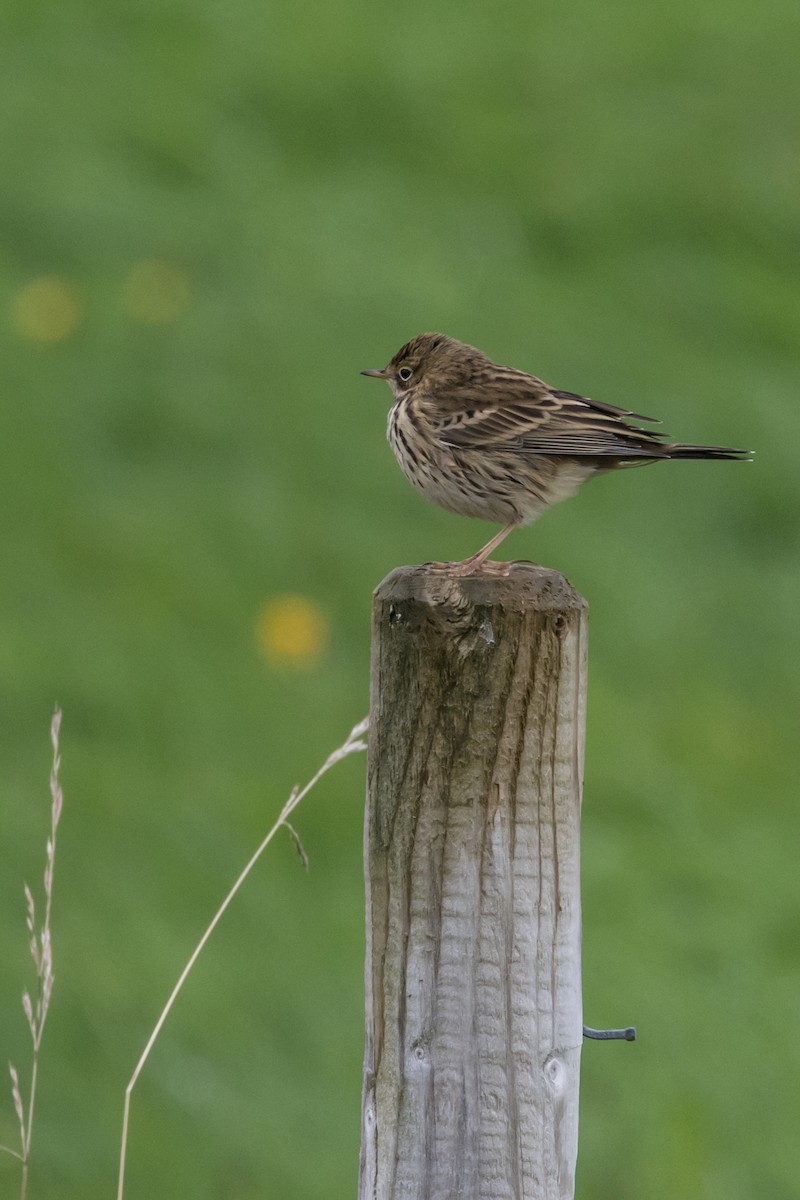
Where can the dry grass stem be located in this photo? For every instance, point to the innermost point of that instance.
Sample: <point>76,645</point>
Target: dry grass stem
<point>354,743</point>
<point>298,845</point>
<point>41,948</point>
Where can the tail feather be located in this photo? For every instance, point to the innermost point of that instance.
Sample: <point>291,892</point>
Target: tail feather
<point>678,450</point>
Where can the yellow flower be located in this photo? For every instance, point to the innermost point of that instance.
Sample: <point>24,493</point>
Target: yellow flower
<point>46,309</point>
<point>156,292</point>
<point>292,631</point>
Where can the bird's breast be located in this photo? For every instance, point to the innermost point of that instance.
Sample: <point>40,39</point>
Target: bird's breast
<point>449,477</point>
<point>409,437</point>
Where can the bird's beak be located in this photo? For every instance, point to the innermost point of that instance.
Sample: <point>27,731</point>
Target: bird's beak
<point>376,374</point>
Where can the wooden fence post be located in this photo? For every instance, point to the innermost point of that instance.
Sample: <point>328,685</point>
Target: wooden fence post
<point>473,983</point>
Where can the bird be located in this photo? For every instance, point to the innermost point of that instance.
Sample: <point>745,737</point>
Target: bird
<point>493,442</point>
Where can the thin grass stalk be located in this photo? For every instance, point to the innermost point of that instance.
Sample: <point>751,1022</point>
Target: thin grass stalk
<point>352,745</point>
<point>41,949</point>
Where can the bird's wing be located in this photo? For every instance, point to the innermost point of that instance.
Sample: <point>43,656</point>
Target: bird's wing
<point>526,415</point>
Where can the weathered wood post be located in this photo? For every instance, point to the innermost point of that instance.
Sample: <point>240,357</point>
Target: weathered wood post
<point>473,983</point>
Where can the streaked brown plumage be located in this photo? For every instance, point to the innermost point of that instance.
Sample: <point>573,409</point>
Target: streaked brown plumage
<point>488,441</point>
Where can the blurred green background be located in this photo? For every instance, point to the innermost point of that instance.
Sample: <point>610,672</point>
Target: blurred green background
<point>213,215</point>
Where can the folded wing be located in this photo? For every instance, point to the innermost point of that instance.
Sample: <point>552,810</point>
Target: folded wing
<point>527,416</point>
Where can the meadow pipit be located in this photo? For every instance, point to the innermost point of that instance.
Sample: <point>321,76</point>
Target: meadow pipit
<point>492,442</point>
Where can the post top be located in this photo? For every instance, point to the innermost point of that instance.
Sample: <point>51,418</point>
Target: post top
<point>515,585</point>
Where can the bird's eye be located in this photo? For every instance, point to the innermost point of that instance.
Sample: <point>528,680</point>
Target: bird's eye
<point>405,374</point>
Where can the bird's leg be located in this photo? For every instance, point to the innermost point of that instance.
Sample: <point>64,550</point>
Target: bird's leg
<point>470,565</point>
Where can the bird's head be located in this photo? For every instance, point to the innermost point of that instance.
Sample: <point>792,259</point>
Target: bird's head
<point>428,361</point>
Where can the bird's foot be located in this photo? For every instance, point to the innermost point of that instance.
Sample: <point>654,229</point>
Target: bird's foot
<point>471,566</point>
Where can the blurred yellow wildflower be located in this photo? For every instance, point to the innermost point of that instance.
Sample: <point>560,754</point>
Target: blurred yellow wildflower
<point>46,309</point>
<point>156,292</point>
<point>292,631</point>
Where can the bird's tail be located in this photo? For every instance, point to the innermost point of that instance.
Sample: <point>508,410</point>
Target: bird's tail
<point>686,451</point>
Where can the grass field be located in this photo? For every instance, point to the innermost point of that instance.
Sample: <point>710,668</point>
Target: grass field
<point>212,217</point>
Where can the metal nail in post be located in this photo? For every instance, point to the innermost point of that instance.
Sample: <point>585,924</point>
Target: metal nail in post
<point>611,1035</point>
